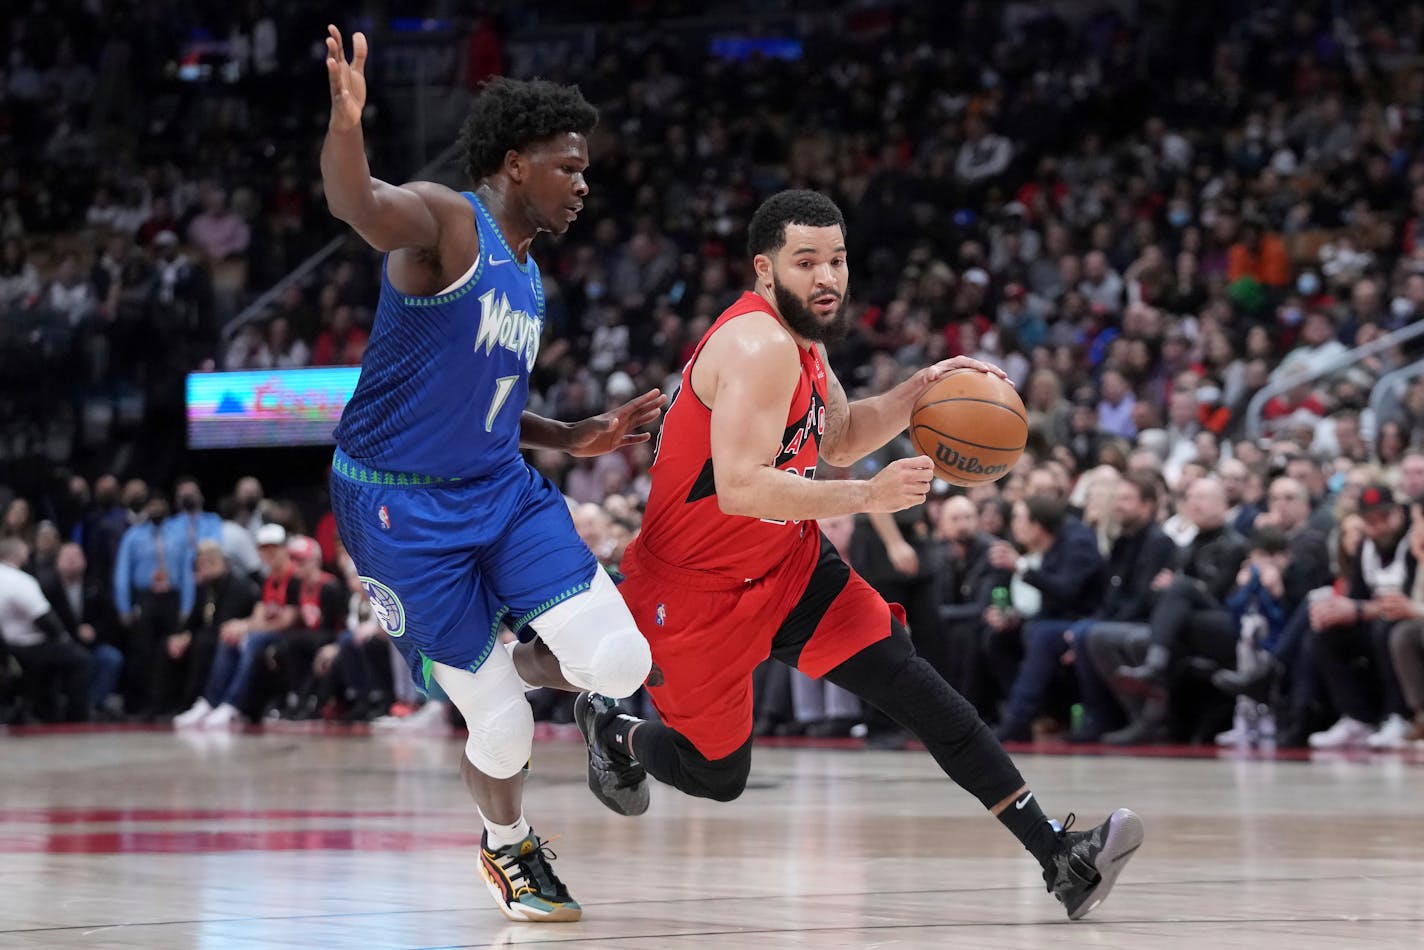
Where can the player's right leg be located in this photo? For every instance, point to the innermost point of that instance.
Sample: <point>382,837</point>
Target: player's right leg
<point>843,630</point>
<point>514,861</point>
<point>417,551</point>
<point>1079,868</point>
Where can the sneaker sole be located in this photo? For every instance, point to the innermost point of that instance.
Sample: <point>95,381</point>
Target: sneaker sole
<point>629,807</point>
<point>523,914</point>
<point>1125,834</point>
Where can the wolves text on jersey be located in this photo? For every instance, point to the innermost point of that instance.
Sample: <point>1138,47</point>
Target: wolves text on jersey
<point>515,330</point>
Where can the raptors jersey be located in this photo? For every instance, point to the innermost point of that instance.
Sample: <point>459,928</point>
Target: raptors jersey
<point>684,526</point>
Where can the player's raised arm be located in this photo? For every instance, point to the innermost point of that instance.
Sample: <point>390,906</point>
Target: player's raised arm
<point>387,216</point>
<point>753,367</point>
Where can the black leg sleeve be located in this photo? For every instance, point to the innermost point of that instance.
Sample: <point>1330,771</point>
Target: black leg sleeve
<point>669,757</point>
<point>907,688</point>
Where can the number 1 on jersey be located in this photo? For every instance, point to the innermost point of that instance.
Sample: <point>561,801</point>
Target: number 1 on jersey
<point>502,388</point>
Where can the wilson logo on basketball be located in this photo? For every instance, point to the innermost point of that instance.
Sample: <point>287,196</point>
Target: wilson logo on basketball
<point>967,464</point>
<point>972,425</point>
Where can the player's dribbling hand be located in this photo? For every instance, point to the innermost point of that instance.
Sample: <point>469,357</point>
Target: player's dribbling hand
<point>599,435</point>
<point>348,80</point>
<point>941,369</point>
<point>901,484</point>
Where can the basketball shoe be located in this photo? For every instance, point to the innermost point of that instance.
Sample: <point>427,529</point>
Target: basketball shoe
<point>616,780</point>
<point>524,884</point>
<point>1087,863</point>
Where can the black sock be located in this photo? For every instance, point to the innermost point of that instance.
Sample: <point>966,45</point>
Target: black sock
<point>615,728</point>
<point>1031,826</point>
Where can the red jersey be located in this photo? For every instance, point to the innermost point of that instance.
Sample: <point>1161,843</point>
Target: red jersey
<point>684,526</point>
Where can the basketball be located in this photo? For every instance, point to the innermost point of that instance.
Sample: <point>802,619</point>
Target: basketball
<point>972,425</point>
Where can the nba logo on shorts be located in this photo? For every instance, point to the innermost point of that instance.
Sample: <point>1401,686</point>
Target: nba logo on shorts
<point>385,517</point>
<point>385,605</point>
<point>661,615</point>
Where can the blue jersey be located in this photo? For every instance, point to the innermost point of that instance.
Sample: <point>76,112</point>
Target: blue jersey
<point>445,378</point>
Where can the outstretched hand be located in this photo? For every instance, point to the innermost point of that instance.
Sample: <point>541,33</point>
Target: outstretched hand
<point>348,80</point>
<point>604,433</point>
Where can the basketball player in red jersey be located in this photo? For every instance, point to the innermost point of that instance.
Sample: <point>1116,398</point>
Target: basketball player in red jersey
<point>731,568</point>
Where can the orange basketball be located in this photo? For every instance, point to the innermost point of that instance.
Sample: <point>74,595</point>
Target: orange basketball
<point>972,425</point>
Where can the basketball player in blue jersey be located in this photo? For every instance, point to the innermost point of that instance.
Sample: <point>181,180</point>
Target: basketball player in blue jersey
<point>453,533</point>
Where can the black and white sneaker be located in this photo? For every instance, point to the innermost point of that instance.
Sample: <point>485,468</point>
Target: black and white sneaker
<point>1088,862</point>
<point>616,780</point>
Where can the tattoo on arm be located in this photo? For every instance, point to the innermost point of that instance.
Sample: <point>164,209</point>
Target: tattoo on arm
<point>837,410</point>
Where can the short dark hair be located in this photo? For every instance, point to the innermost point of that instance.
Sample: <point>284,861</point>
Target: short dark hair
<point>1048,513</point>
<point>1269,540</point>
<point>1145,484</point>
<point>767,232</point>
<point>513,114</point>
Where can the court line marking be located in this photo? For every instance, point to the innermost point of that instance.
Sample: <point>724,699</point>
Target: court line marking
<point>762,897</point>
<point>1096,924</point>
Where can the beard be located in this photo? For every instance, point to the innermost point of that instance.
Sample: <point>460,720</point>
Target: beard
<point>803,320</point>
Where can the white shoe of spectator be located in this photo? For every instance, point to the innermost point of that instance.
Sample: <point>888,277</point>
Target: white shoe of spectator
<point>194,716</point>
<point>430,718</point>
<point>224,717</point>
<point>1231,737</point>
<point>1345,734</point>
<point>1391,735</point>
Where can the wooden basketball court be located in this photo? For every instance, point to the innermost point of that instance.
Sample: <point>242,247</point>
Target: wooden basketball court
<point>159,840</point>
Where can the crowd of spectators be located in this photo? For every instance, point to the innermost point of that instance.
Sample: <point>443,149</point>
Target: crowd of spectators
<point>1145,222</point>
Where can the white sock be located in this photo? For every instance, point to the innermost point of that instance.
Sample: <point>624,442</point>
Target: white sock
<point>502,836</point>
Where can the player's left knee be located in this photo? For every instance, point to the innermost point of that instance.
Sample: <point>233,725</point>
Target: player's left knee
<point>501,738</point>
<point>620,663</point>
<point>728,788</point>
<point>724,780</point>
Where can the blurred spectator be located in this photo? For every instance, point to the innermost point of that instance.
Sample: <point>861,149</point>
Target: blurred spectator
<point>222,597</point>
<point>237,544</point>
<point>967,586</point>
<point>1063,569</point>
<point>82,607</point>
<point>1189,617</point>
<point>1140,554</point>
<point>19,278</point>
<point>218,231</point>
<point>1405,610</point>
<point>54,668</point>
<point>1354,630</point>
<point>320,619</point>
<point>244,642</point>
<point>342,343</point>
<point>182,532</point>
<point>147,599</point>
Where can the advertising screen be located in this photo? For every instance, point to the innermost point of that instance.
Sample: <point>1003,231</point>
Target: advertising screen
<point>267,407</point>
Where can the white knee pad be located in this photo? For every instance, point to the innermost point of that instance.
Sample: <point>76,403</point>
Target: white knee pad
<point>499,718</point>
<point>597,644</point>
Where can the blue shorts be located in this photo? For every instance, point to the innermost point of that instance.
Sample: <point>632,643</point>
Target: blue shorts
<point>445,563</point>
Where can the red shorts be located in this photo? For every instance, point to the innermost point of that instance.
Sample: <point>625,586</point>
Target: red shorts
<point>708,634</point>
